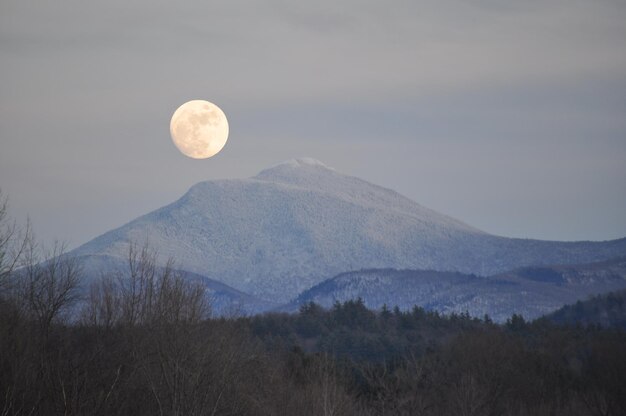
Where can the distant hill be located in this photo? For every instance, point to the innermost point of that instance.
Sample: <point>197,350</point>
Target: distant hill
<point>224,300</point>
<point>607,310</point>
<point>531,291</point>
<point>295,224</point>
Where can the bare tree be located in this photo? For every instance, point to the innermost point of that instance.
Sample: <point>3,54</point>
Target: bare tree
<point>187,369</point>
<point>48,283</point>
<point>146,294</point>
<point>103,306</point>
<point>13,243</point>
<point>402,390</point>
<point>38,289</point>
<point>328,393</point>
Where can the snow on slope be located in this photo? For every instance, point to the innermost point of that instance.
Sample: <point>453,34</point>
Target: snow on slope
<point>532,291</point>
<point>296,224</point>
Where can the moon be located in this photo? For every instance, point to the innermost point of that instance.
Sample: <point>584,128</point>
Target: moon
<point>199,129</point>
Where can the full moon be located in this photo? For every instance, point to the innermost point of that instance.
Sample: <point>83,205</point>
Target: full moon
<point>199,129</point>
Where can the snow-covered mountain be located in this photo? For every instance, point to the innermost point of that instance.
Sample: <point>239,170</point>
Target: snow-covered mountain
<point>298,223</point>
<point>530,291</point>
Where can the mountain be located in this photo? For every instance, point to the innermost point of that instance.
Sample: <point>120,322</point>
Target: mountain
<point>295,224</point>
<point>224,300</point>
<point>530,291</point>
<point>606,310</point>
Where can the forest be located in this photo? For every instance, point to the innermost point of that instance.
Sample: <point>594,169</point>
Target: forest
<point>146,343</point>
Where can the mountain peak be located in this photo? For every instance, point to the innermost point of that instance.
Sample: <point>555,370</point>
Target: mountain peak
<point>304,163</point>
<point>299,171</point>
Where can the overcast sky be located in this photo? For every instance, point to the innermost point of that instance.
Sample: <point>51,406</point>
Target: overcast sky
<point>508,115</point>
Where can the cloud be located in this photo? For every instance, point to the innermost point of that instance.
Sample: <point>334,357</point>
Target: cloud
<point>277,50</point>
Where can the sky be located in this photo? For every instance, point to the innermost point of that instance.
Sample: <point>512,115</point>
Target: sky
<point>508,115</point>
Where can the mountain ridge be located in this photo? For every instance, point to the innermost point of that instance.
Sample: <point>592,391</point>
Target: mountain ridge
<point>530,291</point>
<point>299,222</point>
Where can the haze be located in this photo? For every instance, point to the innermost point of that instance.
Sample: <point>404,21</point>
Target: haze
<point>506,115</point>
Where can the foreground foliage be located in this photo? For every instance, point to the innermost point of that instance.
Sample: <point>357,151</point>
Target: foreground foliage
<point>345,361</point>
<point>145,344</point>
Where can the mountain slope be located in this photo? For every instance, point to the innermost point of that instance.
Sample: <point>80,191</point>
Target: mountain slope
<point>532,291</point>
<point>293,225</point>
<point>224,300</point>
<point>607,310</point>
